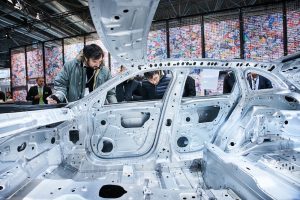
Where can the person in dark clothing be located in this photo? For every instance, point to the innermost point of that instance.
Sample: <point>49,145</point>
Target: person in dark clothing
<point>258,82</point>
<point>189,87</point>
<point>129,90</point>
<point>38,94</point>
<point>155,85</point>
<point>2,96</point>
<point>228,83</point>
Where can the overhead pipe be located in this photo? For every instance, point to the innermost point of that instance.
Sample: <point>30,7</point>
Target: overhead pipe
<point>55,31</point>
<point>58,8</point>
<point>23,31</point>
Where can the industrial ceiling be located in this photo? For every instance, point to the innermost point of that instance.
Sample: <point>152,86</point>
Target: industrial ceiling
<point>28,21</point>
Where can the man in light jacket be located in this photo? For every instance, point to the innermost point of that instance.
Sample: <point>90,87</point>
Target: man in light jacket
<point>81,76</point>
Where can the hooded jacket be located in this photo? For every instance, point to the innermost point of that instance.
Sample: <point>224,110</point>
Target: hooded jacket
<point>71,81</point>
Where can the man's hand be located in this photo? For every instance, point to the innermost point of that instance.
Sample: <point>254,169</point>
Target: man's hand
<point>36,97</point>
<point>51,101</point>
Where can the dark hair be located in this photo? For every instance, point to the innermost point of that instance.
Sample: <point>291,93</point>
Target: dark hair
<point>39,78</point>
<point>93,51</point>
<point>150,74</point>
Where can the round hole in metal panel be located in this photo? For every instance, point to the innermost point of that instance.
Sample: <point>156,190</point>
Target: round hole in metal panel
<point>21,147</point>
<point>111,191</point>
<point>105,145</point>
<point>182,141</point>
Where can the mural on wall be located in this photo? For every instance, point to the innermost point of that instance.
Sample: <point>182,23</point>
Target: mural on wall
<point>19,95</point>
<point>98,42</point>
<point>34,62</point>
<point>293,28</point>
<point>18,70</point>
<point>222,38</point>
<point>185,41</point>
<point>157,45</point>
<point>263,35</point>
<point>72,46</point>
<point>53,62</point>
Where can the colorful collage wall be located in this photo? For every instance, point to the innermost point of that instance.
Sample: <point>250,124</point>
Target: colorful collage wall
<point>34,64</point>
<point>18,75</point>
<point>72,47</point>
<point>293,27</point>
<point>185,41</point>
<point>53,60</point>
<point>157,45</point>
<point>263,35</point>
<point>222,37</point>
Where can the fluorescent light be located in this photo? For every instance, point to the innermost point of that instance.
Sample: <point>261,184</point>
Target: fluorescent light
<point>18,6</point>
<point>38,16</point>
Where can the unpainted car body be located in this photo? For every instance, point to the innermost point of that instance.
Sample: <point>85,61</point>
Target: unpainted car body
<point>238,145</point>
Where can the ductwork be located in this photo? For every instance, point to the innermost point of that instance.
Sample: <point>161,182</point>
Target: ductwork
<point>37,36</point>
<point>21,14</point>
<point>57,7</point>
<point>85,3</point>
<point>53,31</point>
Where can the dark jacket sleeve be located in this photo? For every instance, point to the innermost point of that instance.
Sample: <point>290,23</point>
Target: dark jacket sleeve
<point>137,93</point>
<point>265,83</point>
<point>228,83</point>
<point>31,93</point>
<point>189,87</point>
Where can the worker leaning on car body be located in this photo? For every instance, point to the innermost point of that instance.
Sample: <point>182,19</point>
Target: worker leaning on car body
<point>82,75</point>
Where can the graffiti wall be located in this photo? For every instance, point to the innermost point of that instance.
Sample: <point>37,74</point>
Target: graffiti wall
<point>157,45</point>
<point>222,37</point>
<point>185,41</point>
<point>293,27</point>
<point>53,60</point>
<point>263,35</point>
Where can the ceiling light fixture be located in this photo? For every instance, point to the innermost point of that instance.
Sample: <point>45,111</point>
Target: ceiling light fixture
<point>10,1</point>
<point>38,16</point>
<point>18,6</point>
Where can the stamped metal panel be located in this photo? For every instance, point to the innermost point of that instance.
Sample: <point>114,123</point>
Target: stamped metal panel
<point>198,122</point>
<point>125,130</point>
<point>123,26</point>
<point>13,123</point>
<point>223,170</point>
